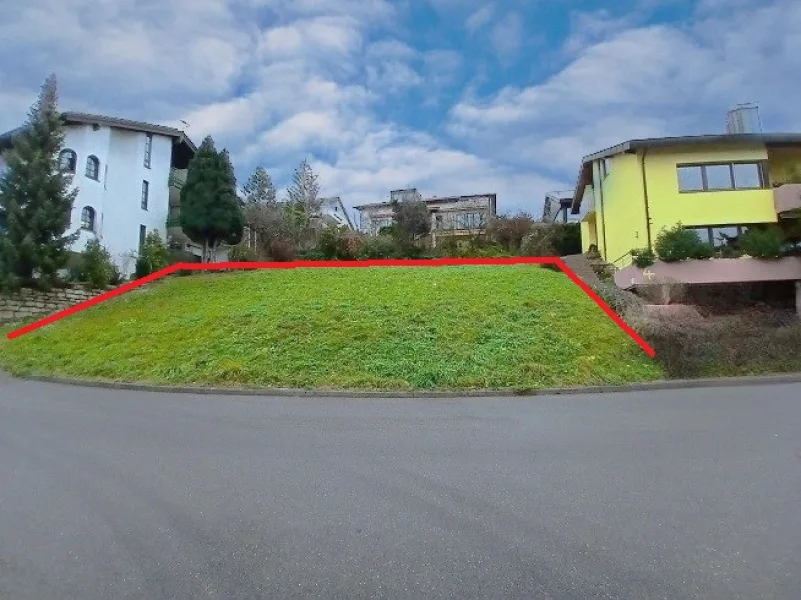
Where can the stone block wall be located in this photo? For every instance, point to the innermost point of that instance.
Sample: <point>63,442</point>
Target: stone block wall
<point>28,303</point>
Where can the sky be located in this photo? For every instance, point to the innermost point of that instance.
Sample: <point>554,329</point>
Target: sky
<point>449,96</point>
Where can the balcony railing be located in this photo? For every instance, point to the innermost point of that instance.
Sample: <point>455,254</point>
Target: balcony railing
<point>174,220</point>
<point>177,178</point>
<point>787,197</point>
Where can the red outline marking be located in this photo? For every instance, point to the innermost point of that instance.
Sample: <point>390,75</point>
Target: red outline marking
<point>341,263</point>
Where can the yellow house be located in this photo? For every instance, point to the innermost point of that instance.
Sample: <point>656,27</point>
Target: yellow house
<point>715,184</point>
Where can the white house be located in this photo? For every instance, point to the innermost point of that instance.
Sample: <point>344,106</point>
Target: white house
<point>128,175</point>
<point>333,212</point>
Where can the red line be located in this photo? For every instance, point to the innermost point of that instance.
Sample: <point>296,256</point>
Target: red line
<point>316,264</point>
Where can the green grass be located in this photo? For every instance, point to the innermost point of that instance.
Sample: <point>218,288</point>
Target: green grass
<point>371,328</point>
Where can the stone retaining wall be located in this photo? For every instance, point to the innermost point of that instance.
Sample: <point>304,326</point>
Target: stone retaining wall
<point>28,303</point>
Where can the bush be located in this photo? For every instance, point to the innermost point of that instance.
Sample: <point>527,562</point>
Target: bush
<point>97,270</point>
<point>242,253</point>
<point>643,258</point>
<point>540,242</point>
<point>378,247</point>
<point>762,242</point>
<point>153,256</point>
<point>624,303</point>
<point>509,232</point>
<point>730,345</point>
<point>338,244</point>
<point>567,238</point>
<point>282,250</point>
<point>679,243</point>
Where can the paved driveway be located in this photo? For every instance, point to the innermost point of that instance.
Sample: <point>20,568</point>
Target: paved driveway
<point>678,494</point>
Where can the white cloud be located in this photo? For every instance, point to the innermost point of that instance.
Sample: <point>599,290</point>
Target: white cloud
<point>279,80</point>
<point>507,37</point>
<point>480,18</point>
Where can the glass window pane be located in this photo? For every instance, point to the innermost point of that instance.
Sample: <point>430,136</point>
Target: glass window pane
<point>702,233</point>
<point>718,177</point>
<point>690,179</point>
<point>747,176</point>
<point>720,235</point>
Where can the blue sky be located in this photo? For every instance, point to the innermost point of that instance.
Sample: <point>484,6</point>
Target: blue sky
<point>450,96</point>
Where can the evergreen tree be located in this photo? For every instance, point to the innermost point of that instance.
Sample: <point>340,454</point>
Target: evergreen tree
<point>303,194</point>
<point>259,188</point>
<point>35,201</point>
<point>210,211</point>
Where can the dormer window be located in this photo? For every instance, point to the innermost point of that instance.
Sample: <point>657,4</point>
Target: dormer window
<point>93,168</point>
<point>67,160</point>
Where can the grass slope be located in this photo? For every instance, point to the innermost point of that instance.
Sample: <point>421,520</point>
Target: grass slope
<point>375,328</point>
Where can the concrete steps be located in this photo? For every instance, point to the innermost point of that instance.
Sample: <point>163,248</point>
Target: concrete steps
<point>582,267</point>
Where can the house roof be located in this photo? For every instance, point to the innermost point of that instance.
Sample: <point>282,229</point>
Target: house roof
<point>632,146</point>
<point>116,122</point>
<point>429,200</point>
<point>337,201</point>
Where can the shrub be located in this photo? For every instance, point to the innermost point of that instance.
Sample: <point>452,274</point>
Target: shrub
<point>643,257</point>
<point>334,243</point>
<point>623,302</point>
<point>540,242</point>
<point>153,256</point>
<point>679,243</point>
<point>763,242</point>
<point>242,253</point>
<point>282,250</point>
<point>730,345</point>
<point>378,247</point>
<point>98,270</point>
<point>509,232</point>
<point>567,238</point>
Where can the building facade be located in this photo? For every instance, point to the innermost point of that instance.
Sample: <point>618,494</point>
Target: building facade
<point>716,185</point>
<point>451,216</point>
<point>128,176</point>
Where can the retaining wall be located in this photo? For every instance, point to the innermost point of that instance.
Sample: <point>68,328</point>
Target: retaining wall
<point>28,303</point>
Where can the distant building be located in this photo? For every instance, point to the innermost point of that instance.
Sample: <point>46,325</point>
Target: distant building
<point>451,216</point>
<point>556,208</point>
<point>333,212</point>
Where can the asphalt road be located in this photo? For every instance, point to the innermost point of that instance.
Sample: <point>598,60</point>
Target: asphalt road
<point>676,494</point>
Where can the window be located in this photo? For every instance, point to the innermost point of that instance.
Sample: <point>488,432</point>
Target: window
<point>470,220</point>
<point>88,218</point>
<point>142,236</point>
<point>747,176</point>
<point>606,167</point>
<point>691,179</point>
<point>148,148</point>
<point>720,176</point>
<point>719,236</point>
<point>67,160</point>
<point>93,168</point>
<point>145,194</point>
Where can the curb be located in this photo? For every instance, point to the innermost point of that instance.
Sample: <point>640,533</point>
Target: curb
<point>675,384</point>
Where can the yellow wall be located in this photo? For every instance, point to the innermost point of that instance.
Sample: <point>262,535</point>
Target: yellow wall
<point>588,233</point>
<point>620,216</point>
<point>781,162</point>
<point>668,206</point>
<point>623,208</point>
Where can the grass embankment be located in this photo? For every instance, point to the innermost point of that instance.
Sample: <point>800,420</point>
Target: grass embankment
<point>375,328</point>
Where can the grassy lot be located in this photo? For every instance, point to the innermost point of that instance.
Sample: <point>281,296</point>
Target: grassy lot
<point>371,328</point>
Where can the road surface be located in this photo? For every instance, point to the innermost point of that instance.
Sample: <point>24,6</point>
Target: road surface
<point>674,494</point>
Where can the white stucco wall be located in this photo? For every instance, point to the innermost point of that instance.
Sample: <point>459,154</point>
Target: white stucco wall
<point>116,198</point>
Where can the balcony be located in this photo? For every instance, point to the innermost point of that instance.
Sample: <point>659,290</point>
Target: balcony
<point>787,198</point>
<point>177,178</point>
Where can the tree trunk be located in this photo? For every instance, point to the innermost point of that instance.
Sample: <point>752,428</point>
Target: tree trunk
<point>205,257</point>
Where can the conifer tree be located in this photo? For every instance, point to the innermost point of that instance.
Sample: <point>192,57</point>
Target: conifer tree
<point>210,211</point>
<point>35,199</point>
